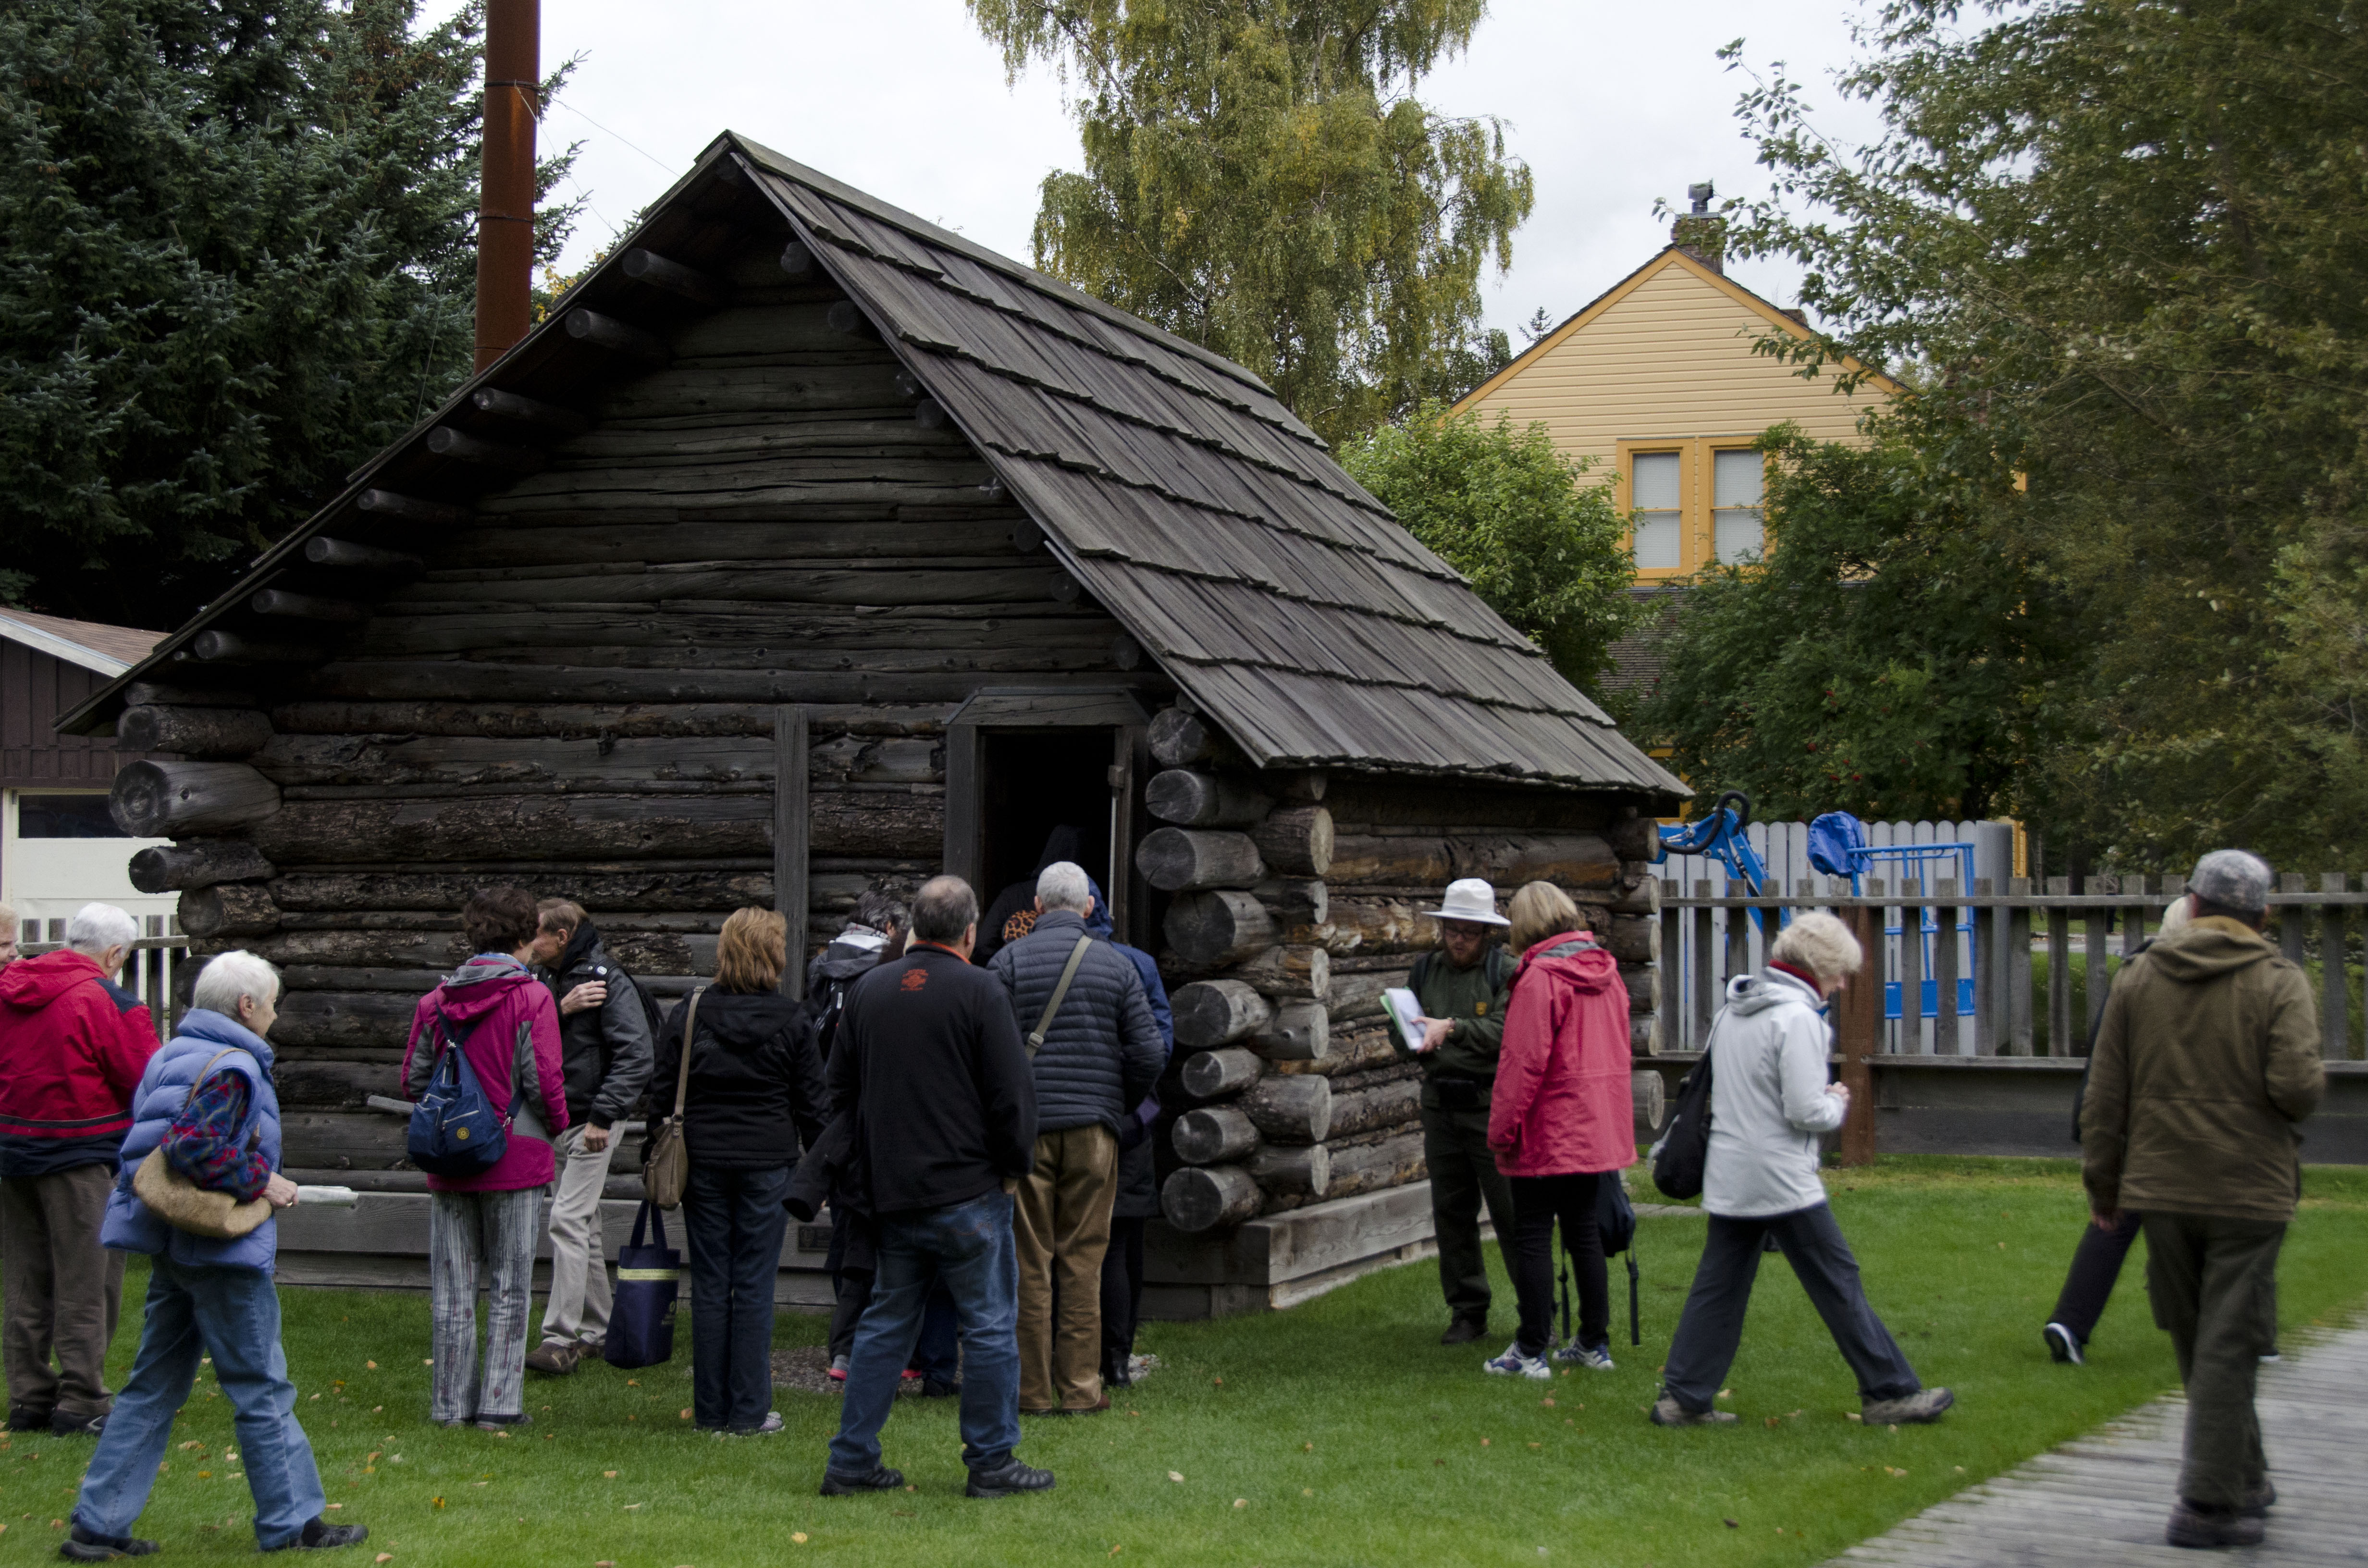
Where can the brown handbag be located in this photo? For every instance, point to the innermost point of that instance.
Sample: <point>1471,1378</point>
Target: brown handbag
<point>666,1169</point>
<point>184,1205</point>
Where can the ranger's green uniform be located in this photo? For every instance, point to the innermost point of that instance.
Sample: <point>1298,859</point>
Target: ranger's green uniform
<point>1456,1079</point>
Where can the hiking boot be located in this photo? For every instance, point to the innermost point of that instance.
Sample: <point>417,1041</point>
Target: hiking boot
<point>1008,1478</point>
<point>1668,1412</point>
<point>2062,1344</point>
<point>765,1428</point>
<point>322,1536</point>
<point>2259,1499</point>
<point>1514,1364</point>
<point>1594,1357</point>
<point>1463,1330</point>
<point>1923,1405</point>
<point>555,1356</point>
<point>880,1479</point>
<point>83,1545</point>
<point>65,1426</point>
<point>501,1423</point>
<point>2194,1527</point>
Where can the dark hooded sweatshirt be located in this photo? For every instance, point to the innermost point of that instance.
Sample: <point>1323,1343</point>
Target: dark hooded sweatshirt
<point>756,1094</point>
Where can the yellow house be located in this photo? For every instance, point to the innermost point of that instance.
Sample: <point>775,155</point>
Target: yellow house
<point>1656,380</point>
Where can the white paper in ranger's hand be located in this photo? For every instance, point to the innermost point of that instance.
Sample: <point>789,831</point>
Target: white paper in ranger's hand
<point>1406,1010</point>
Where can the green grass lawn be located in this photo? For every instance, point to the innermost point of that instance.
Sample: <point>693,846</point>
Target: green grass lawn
<point>1339,1432</point>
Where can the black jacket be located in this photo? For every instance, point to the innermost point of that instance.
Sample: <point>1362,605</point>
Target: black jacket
<point>1103,1054</point>
<point>604,1051</point>
<point>756,1094</point>
<point>852,954</point>
<point>931,1062</point>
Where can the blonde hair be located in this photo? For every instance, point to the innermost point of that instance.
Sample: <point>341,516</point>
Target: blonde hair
<point>1540,909</point>
<point>1819,943</point>
<point>2181,911</point>
<point>752,949</point>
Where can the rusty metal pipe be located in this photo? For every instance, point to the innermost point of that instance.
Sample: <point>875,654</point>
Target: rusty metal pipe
<point>506,200</point>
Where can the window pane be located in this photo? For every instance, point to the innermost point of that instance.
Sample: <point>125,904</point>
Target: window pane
<point>1736,478</point>
<point>1658,539</point>
<point>1656,482</point>
<point>64,816</point>
<point>1736,534</point>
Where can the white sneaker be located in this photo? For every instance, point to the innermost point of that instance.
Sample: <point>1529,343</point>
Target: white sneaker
<point>2062,1345</point>
<point>1594,1357</point>
<point>1513,1364</point>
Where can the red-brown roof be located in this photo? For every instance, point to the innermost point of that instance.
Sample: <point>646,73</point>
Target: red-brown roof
<point>118,645</point>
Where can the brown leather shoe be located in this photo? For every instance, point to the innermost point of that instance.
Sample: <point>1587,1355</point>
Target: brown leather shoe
<point>555,1356</point>
<point>1086,1409</point>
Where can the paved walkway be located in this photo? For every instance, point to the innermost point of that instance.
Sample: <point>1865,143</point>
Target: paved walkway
<point>2101,1502</point>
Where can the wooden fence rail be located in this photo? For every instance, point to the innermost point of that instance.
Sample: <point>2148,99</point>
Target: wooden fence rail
<point>1984,949</point>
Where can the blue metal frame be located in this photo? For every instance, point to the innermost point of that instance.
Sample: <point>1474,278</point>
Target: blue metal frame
<point>1918,861</point>
<point>1719,835</point>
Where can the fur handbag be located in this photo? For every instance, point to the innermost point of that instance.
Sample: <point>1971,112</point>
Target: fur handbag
<point>184,1205</point>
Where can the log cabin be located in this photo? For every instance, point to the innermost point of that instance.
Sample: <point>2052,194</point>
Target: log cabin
<point>808,547</point>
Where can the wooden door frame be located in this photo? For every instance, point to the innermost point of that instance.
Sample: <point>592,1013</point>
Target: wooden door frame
<point>1116,708</point>
<point>793,837</point>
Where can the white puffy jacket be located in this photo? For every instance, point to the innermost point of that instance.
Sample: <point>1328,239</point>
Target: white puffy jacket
<point>1769,1104</point>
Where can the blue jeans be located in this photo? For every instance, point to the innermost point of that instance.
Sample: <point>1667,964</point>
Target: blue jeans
<point>735,1220</point>
<point>968,1247</point>
<point>232,1314</point>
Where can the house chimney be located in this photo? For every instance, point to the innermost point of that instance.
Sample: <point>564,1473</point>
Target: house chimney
<point>1701,234</point>
<point>506,194</point>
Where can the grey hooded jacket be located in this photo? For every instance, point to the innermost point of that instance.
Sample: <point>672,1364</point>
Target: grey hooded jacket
<point>1768,1108</point>
<point>1103,1054</point>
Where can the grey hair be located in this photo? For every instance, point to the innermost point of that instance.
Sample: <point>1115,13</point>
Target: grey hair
<point>1819,943</point>
<point>880,909</point>
<point>98,926</point>
<point>231,975</point>
<point>2232,879</point>
<point>943,910</point>
<point>1065,885</point>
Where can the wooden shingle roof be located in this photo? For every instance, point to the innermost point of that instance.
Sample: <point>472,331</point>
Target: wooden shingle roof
<point>1281,597</point>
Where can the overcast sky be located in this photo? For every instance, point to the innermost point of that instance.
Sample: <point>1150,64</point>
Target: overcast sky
<point>1613,105</point>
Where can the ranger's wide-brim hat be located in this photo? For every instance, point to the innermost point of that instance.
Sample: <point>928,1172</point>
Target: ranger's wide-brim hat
<point>1471,899</point>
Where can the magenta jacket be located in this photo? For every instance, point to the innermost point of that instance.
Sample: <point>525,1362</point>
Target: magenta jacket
<point>1561,1105</point>
<point>516,1041</point>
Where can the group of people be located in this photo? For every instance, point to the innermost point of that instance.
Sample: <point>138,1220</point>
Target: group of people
<point>979,1133</point>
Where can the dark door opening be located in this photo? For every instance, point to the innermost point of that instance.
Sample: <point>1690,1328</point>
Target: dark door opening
<point>1033,784</point>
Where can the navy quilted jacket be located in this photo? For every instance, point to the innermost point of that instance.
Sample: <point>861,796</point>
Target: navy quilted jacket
<point>1103,1054</point>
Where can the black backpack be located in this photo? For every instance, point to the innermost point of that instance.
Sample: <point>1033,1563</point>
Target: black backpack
<point>1684,1146</point>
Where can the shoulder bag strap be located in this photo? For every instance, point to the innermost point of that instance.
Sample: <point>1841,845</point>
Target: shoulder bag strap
<point>1060,995</point>
<point>690,1030</point>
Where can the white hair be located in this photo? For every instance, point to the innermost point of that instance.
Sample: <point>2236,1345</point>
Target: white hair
<point>1065,885</point>
<point>229,976</point>
<point>1819,943</point>
<point>98,926</point>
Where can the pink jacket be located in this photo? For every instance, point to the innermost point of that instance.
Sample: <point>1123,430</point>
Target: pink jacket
<point>1561,1105</point>
<point>516,1040</point>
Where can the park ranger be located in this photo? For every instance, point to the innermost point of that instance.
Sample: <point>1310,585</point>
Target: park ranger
<point>1462,987</point>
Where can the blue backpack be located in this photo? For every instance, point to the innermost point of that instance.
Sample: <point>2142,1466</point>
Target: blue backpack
<point>454,1131</point>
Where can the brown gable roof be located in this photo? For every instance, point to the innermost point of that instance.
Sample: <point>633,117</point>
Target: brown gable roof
<point>1283,599</point>
<point>107,649</point>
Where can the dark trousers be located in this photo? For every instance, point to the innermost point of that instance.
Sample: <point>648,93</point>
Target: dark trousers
<point>1712,1327</point>
<point>65,1291</point>
<point>2213,1285</point>
<point>937,1355</point>
<point>1122,1298</point>
<point>735,1220</point>
<point>1462,1174</point>
<point>2096,1265</point>
<point>1538,1202</point>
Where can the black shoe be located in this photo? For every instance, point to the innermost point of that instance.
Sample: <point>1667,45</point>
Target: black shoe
<point>1463,1330</point>
<point>2193,1527</point>
<point>65,1426</point>
<point>322,1536</point>
<point>88,1546</point>
<point>21,1419</point>
<point>1008,1478</point>
<point>500,1423</point>
<point>2259,1500</point>
<point>2061,1344</point>
<point>931,1388</point>
<point>881,1479</point>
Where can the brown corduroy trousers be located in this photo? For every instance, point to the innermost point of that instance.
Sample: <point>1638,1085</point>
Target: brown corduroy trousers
<point>1061,1225</point>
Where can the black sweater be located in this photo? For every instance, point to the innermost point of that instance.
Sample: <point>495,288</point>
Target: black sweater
<point>931,1058</point>
<point>752,1079</point>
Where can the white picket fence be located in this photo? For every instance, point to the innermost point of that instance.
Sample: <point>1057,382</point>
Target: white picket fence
<point>1702,941</point>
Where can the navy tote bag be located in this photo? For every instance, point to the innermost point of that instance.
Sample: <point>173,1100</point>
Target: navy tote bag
<point>640,1322</point>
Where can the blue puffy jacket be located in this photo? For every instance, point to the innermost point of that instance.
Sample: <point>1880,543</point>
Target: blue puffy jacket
<point>1103,1054</point>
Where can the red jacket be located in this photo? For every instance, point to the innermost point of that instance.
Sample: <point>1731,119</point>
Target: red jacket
<point>515,1043</point>
<point>1561,1105</point>
<point>72,1047</point>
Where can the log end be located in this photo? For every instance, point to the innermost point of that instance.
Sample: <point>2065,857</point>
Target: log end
<point>1203,1197</point>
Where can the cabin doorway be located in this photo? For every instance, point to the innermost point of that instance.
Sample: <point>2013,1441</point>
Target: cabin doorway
<point>1029,773</point>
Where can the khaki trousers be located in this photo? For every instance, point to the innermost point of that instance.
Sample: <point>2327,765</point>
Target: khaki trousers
<point>580,1298</point>
<point>64,1292</point>
<point>1062,1224</point>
